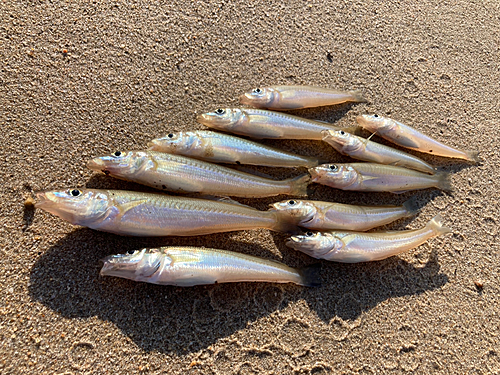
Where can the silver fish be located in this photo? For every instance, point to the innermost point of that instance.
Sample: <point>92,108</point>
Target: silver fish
<point>297,97</point>
<point>181,174</point>
<point>258,123</point>
<point>189,266</point>
<point>147,214</point>
<point>405,136</point>
<point>329,215</point>
<point>355,247</point>
<point>377,177</point>
<point>223,148</point>
<point>364,149</point>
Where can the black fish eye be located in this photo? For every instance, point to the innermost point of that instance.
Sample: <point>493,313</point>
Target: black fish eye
<point>309,234</point>
<point>333,167</point>
<point>257,91</point>
<point>117,153</point>
<point>75,192</point>
<point>291,203</point>
<point>170,135</point>
<point>375,115</point>
<point>130,252</point>
<point>342,132</point>
<point>220,111</point>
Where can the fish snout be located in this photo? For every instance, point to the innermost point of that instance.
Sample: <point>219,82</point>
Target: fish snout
<point>96,164</point>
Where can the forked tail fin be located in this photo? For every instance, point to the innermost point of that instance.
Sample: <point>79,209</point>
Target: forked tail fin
<point>444,181</point>
<point>437,227</point>
<point>357,97</point>
<point>298,185</point>
<point>411,206</point>
<point>473,156</point>
<point>311,275</point>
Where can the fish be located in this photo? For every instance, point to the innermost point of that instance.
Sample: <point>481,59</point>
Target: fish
<point>182,174</point>
<point>366,150</point>
<point>377,177</point>
<point>224,148</point>
<point>297,97</point>
<point>258,123</point>
<point>355,247</point>
<point>405,136</point>
<point>189,266</point>
<point>319,215</point>
<point>134,213</point>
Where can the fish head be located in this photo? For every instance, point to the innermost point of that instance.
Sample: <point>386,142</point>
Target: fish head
<point>335,175</point>
<point>78,206</point>
<point>298,210</point>
<point>375,123</point>
<point>174,143</point>
<point>222,118</point>
<point>315,244</point>
<point>119,163</point>
<point>259,97</point>
<point>341,138</point>
<point>135,264</point>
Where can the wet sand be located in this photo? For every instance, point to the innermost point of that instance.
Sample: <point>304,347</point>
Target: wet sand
<point>80,79</point>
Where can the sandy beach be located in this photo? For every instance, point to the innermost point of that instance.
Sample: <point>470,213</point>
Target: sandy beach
<point>83,79</point>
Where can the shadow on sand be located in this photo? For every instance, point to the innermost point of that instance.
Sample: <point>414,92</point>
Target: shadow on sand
<point>163,318</point>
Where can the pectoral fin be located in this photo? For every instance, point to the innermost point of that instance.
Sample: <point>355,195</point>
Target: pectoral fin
<point>406,142</point>
<point>125,207</point>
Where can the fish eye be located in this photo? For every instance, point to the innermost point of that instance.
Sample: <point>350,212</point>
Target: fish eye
<point>257,91</point>
<point>375,115</point>
<point>130,252</point>
<point>220,111</point>
<point>342,132</point>
<point>117,153</point>
<point>309,234</point>
<point>75,192</point>
<point>170,135</point>
<point>333,167</point>
<point>291,203</point>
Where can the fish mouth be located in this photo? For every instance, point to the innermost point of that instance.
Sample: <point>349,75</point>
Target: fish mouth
<point>245,99</point>
<point>45,200</point>
<point>154,145</point>
<point>96,164</point>
<point>361,120</point>
<point>204,118</point>
<point>314,174</point>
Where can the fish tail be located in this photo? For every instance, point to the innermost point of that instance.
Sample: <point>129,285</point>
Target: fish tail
<point>357,97</point>
<point>437,227</point>
<point>411,206</point>
<point>310,162</point>
<point>355,129</point>
<point>473,156</point>
<point>444,181</point>
<point>310,275</point>
<point>298,185</point>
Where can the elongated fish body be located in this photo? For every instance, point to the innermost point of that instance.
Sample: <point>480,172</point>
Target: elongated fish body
<point>182,174</point>
<point>258,123</point>
<point>189,266</point>
<point>149,214</point>
<point>405,136</point>
<point>377,177</point>
<point>225,148</point>
<point>319,215</point>
<point>354,247</point>
<point>364,149</point>
<point>297,97</point>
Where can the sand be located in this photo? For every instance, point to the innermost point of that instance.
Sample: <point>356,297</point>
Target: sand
<point>81,79</point>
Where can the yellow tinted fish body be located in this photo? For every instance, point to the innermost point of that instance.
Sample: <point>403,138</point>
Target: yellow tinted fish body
<point>405,136</point>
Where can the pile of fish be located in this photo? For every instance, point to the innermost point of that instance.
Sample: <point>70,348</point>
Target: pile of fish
<point>184,163</point>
